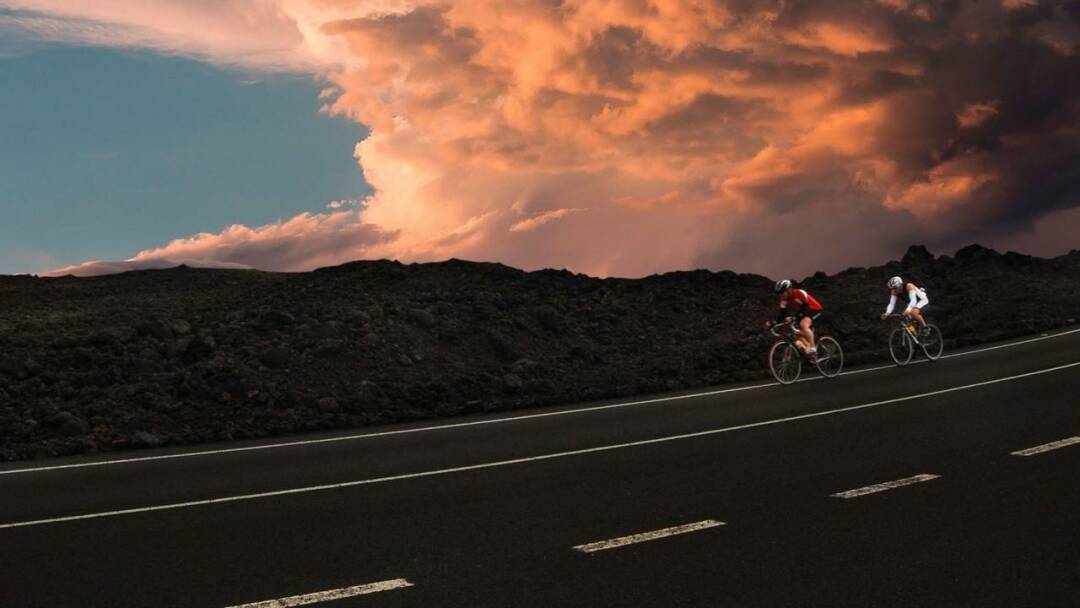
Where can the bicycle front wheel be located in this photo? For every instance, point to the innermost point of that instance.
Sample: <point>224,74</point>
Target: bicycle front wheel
<point>830,357</point>
<point>931,343</point>
<point>785,362</point>
<point>900,346</point>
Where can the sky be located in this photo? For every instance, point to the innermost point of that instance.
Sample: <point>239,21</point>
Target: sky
<point>610,137</point>
<point>110,152</point>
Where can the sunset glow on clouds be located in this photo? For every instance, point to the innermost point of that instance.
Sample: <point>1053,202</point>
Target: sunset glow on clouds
<point>624,137</point>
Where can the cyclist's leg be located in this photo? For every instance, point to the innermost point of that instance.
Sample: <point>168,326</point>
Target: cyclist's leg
<point>919,306</point>
<point>917,313</point>
<point>806,328</point>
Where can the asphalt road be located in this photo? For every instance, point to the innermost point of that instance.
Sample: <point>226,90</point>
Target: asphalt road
<point>751,495</point>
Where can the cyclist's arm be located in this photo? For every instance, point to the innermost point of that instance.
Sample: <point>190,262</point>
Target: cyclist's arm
<point>783,312</point>
<point>892,304</point>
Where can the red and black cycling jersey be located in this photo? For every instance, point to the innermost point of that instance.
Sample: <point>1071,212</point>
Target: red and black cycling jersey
<point>795,301</point>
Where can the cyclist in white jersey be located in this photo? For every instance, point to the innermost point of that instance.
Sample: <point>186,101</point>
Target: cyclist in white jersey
<point>917,300</point>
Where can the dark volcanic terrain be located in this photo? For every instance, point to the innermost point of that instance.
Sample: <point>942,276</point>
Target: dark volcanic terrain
<point>186,355</point>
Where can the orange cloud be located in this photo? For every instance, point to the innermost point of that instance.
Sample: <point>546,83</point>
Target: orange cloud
<point>975,114</point>
<point>670,121</point>
<point>941,192</point>
<point>840,38</point>
<point>536,221</point>
<point>1017,4</point>
<point>305,241</point>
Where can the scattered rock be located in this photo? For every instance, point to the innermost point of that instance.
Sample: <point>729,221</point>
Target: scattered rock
<point>329,405</point>
<point>512,383</point>
<point>502,346</point>
<point>156,329</point>
<point>103,339</point>
<point>67,424</point>
<point>421,317</point>
<point>547,317</point>
<point>323,331</point>
<point>147,440</point>
<point>276,357</point>
<point>330,348</point>
<point>179,327</point>
<point>202,345</point>
<point>523,365</point>
<point>14,367</point>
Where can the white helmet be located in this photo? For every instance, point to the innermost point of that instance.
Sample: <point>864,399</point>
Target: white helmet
<point>782,285</point>
<point>895,283</point>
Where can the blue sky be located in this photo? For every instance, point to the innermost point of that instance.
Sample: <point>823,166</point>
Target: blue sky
<point>104,152</point>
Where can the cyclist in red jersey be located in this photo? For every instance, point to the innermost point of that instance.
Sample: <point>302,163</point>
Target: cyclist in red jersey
<point>798,303</point>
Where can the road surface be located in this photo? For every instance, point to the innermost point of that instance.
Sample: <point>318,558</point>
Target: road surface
<point>952,483</point>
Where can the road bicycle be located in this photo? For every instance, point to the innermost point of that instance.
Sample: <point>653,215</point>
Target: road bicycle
<point>904,339</point>
<point>787,354</point>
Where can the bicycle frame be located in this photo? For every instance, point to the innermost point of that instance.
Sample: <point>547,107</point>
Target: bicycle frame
<point>828,361</point>
<point>788,332</point>
<point>909,324</point>
<point>913,337</point>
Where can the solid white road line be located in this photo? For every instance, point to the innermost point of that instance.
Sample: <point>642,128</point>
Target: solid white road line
<point>888,485</point>
<point>438,427</point>
<point>503,463</point>
<point>455,425</point>
<point>326,596</point>
<point>1010,344</point>
<point>1046,447</point>
<point>622,541</point>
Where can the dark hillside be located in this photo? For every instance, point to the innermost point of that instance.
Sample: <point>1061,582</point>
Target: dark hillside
<point>190,355</point>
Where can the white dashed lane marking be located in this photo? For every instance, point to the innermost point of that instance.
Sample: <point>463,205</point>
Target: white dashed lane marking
<point>329,595</point>
<point>1046,447</point>
<point>888,485</point>
<point>622,541</point>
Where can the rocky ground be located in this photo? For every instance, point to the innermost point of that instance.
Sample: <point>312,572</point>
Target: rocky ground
<point>179,356</point>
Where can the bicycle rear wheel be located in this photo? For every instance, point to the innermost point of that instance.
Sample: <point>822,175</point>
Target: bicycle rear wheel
<point>830,357</point>
<point>785,362</point>
<point>900,346</point>
<point>931,343</point>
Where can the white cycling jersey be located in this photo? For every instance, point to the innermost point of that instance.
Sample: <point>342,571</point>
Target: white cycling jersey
<point>916,299</point>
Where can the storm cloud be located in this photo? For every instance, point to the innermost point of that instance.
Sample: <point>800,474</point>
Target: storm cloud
<point>625,137</point>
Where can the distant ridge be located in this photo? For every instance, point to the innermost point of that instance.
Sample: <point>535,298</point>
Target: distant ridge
<point>187,355</point>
